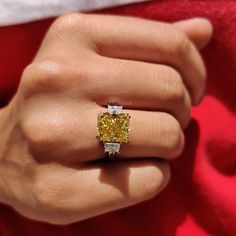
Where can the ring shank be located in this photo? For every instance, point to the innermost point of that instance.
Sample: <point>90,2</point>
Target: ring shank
<point>112,155</point>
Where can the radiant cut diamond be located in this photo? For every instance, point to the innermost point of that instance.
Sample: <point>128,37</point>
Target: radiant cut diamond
<point>113,128</point>
<point>112,147</point>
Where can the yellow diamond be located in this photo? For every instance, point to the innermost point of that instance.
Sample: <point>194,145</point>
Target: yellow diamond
<point>113,127</point>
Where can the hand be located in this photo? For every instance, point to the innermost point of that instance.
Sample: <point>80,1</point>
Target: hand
<point>48,130</point>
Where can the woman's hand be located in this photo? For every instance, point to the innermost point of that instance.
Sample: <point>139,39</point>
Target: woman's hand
<point>48,131</point>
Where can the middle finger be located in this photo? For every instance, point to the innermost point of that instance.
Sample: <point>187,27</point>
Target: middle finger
<point>140,85</point>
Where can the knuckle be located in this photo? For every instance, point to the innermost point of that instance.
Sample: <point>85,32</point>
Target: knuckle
<point>34,132</point>
<point>181,44</point>
<point>27,77</point>
<point>153,82</point>
<point>178,91</point>
<point>43,196</point>
<point>49,195</point>
<point>41,132</point>
<point>69,23</point>
<point>175,87</point>
<point>52,197</point>
<point>174,137</point>
<point>41,77</point>
<point>177,96</point>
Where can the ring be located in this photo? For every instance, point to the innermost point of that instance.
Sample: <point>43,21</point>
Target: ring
<point>113,129</point>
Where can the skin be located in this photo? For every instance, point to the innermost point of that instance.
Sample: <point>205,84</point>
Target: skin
<point>52,167</point>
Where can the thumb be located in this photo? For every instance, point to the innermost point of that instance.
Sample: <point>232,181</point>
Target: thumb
<point>199,30</point>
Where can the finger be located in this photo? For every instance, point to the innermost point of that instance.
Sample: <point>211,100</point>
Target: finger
<point>126,38</point>
<point>75,194</point>
<point>141,86</point>
<point>153,134</point>
<point>199,30</point>
<point>144,40</point>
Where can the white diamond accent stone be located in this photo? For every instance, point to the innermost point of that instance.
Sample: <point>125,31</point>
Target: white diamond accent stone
<point>114,109</point>
<point>112,147</point>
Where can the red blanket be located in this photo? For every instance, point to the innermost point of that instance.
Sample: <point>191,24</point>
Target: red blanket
<point>201,197</point>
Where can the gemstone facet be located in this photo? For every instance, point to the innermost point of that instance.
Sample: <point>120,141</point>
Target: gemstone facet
<point>114,109</point>
<point>112,147</point>
<point>113,127</point>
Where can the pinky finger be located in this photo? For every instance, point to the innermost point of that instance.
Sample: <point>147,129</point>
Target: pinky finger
<point>78,194</point>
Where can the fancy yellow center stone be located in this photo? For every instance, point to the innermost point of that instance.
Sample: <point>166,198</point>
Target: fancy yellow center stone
<point>113,127</point>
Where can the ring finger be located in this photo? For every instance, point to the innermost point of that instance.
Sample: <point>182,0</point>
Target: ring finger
<point>153,134</point>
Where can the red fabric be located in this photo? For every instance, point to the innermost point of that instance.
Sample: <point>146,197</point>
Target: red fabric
<point>201,197</point>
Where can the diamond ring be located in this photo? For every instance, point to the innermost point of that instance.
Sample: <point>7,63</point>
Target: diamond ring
<point>113,129</point>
